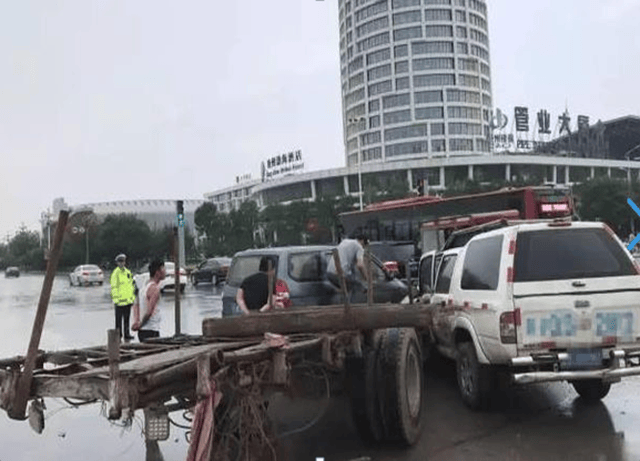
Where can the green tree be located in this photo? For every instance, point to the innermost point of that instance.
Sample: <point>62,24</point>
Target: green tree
<point>24,250</point>
<point>124,233</point>
<point>605,199</point>
<point>215,226</point>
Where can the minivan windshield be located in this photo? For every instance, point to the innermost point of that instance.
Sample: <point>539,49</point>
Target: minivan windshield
<point>560,254</point>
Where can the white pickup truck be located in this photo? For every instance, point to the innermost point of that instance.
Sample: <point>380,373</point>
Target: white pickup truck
<point>546,301</point>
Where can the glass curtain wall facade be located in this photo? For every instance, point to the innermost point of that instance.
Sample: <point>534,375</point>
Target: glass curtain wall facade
<point>415,77</point>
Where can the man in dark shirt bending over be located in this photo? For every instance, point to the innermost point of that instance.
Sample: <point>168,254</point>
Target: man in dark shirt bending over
<point>253,293</point>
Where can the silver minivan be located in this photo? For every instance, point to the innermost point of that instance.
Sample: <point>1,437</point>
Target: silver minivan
<point>304,269</point>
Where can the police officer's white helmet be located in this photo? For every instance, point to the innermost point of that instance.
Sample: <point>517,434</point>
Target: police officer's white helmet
<point>121,257</point>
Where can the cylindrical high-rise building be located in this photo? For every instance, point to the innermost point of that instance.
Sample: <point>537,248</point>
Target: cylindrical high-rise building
<point>415,78</point>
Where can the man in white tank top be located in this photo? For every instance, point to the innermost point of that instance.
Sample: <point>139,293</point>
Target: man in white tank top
<point>148,304</point>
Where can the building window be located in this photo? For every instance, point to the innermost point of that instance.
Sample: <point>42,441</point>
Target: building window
<point>407,33</point>
<point>355,127</point>
<point>471,97</point>
<point>461,16</point>
<point>478,36</point>
<point>374,122</point>
<point>477,21</point>
<point>427,113</point>
<point>352,144</point>
<point>486,100</point>
<point>482,145</point>
<point>474,129</point>
<point>379,72</point>
<point>456,145</point>
<point>438,145</point>
<point>372,26</point>
<point>462,48</point>
<point>426,97</point>
<point>370,138</point>
<point>373,41</point>
<point>407,17</point>
<point>354,97</point>
<point>405,3</point>
<point>433,80</point>
<point>402,67</point>
<point>356,80</point>
<point>406,148</point>
<point>437,15</point>
<point>461,32</point>
<point>396,100</point>
<point>431,47</point>
<point>438,31</point>
<point>415,131</point>
<point>437,129</point>
<point>461,3</point>
<point>371,10</point>
<point>378,56</point>
<point>432,63</point>
<point>485,69</point>
<point>374,105</point>
<point>472,113</point>
<point>380,88</point>
<point>397,116</point>
<point>402,83</point>
<point>479,52</point>
<point>437,2</point>
<point>401,51</point>
<point>356,111</point>
<point>486,85</point>
<point>468,80</point>
<point>356,64</point>
<point>374,153</point>
<point>468,64</point>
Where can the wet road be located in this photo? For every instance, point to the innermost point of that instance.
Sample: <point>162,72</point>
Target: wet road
<point>541,422</point>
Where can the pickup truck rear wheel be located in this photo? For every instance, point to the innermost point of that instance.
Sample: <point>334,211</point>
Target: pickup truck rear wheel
<point>474,380</point>
<point>591,390</point>
<point>403,387</point>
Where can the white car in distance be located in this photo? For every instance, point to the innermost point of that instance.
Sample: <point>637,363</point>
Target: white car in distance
<point>86,274</point>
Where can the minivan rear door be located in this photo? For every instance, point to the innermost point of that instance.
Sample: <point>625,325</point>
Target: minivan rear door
<point>574,288</point>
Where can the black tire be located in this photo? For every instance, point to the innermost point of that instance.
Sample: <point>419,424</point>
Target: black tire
<point>474,381</point>
<point>100,283</point>
<point>403,386</point>
<point>364,394</point>
<point>194,281</point>
<point>591,390</point>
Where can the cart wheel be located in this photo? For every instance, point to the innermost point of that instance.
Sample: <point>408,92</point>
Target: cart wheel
<point>364,394</point>
<point>403,386</point>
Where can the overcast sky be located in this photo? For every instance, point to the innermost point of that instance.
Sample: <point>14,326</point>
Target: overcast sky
<point>104,100</point>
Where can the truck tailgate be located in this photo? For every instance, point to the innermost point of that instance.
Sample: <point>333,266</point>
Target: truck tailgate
<point>572,314</point>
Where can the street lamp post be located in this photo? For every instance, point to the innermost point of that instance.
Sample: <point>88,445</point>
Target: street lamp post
<point>353,121</point>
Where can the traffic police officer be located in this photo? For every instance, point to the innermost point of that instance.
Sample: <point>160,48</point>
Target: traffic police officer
<point>123,295</point>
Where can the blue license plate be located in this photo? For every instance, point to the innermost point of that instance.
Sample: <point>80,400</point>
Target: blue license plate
<point>584,359</point>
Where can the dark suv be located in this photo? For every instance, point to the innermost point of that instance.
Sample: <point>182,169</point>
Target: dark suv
<point>213,270</point>
<point>304,269</point>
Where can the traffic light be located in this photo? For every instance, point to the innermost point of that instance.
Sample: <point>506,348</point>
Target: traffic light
<point>180,213</point>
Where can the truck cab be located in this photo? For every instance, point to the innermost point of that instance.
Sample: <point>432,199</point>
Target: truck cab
<point>547,301</point>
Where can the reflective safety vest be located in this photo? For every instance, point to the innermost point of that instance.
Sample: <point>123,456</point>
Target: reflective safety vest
<point>122,289</point>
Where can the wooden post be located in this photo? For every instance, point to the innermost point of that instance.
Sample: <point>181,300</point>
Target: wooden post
<point>176,287</point>
<point>343,282</point>
<point>407,271</point>
<point>270,277</point>
<point>19,406</point>
<point>280,375</point>
<point>203,386</point>
<point>113,346</point>
<point>368,266</point>
<point>319,319</point>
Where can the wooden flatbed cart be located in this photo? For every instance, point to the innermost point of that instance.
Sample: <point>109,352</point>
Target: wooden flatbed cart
<point>223,374</point>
